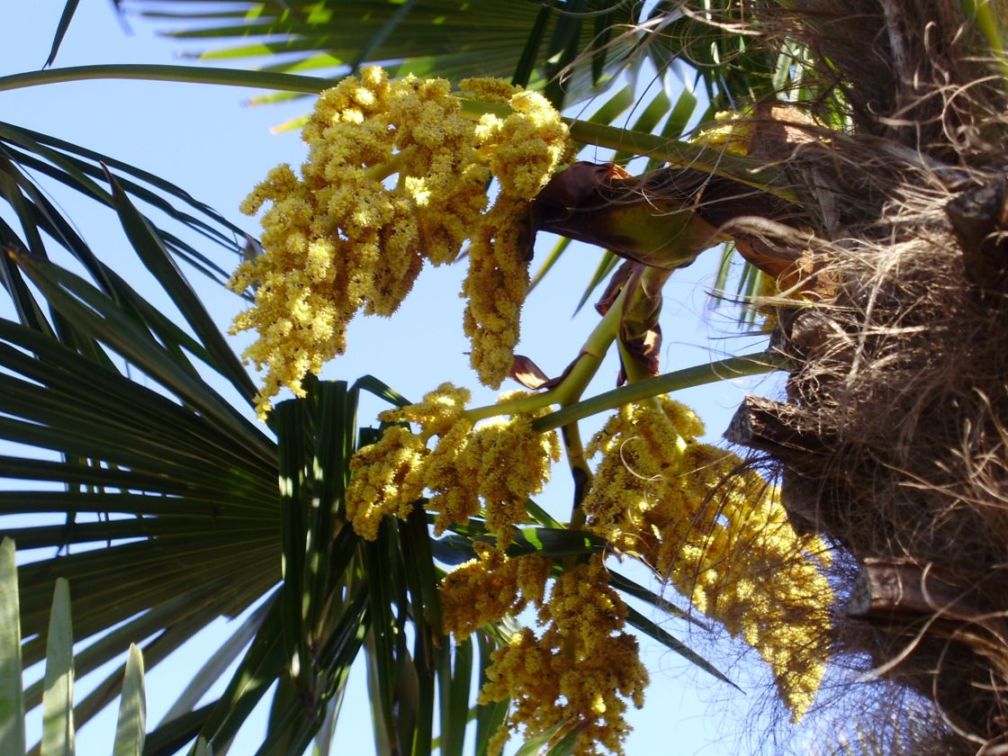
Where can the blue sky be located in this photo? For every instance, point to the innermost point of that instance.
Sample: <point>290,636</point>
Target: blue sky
<point>208,141</point>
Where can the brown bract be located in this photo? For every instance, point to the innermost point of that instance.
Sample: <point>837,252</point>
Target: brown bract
<point>663,219</point>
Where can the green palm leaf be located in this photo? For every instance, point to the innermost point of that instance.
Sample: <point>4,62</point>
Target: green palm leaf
<point>12,735</point>
<point>57,701</point>
<point>531,42</point>
<point>58,711</point>
<point>26,153</point>
<point>132,726</point>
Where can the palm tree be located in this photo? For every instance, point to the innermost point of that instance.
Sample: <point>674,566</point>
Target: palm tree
<point>200,491</point>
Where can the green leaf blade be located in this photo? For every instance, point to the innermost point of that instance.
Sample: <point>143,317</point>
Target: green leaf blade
<point>132,724</point>
<point>12,734</point>
<point>152,252</point>
<point>57,700</point>
<point>61,29</point>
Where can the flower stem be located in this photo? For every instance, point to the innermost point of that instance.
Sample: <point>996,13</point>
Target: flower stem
<point>632,369</point>
<point>573,384</point>
<point>733,367</point>
<point>587,363</point>
<point>580,471</point>
<point>524,404</point>
<point>386,168</point>
<point>678,154</point>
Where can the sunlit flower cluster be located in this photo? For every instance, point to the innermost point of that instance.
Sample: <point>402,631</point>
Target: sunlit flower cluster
<point>719,533</point>
<point>731,132</point>
<point>524,147</point>
<point>489,468</point>
<point>495,288</point>
<point>386,480</point>
<point>397,174</point>
<point>579,673</point>
<point>489,588</point>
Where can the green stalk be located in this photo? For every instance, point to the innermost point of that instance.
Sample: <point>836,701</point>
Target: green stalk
<point>525,404</point>
<point>580,472</point>
<point>382,171</point>
<point>678,154</point>
<point>580,373</point>
<point>182,74</point>
<point>632,369</point>
<point>594,350</point>
<point>733,367</point>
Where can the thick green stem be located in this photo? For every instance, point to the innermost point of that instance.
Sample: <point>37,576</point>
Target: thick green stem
<point>592,353</point>
<point>733,367</point>
<point>744,170</point>
<point>525,404</point>
<point>580,472</point>
<point>573,383</point>
<point>635,370</point>
<point>570,390</point>
<point>632,369</point>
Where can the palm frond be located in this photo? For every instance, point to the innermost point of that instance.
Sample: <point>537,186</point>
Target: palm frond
<point>31,164</point>
<point>572,49</point>
<point>58,711</point>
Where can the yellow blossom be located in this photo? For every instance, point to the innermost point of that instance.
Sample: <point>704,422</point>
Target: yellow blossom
<point>385,480</point>
<point>495,288</point>
<point>452,476</point>
<point>489,469</point>
<point>492,468</point>
<point>720,535</point>
<point>731,132</point>
<point>514,462</point>
<point>396,176</point>
<point>489,588</point>
<point>525,147</point>
<point>580,672</point>
<point>440,411</point>
<point>488,90</point>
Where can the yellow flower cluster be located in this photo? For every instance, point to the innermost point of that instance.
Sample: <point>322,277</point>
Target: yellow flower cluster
<point>731,132</point>
<point>524,148</point>
<point>385,480</point>
<point>489,588</point>
<point>495,289</point>
<point>396,175</point>
<point>493,466</point>
<point>720,534</point>
<point>579,673</point>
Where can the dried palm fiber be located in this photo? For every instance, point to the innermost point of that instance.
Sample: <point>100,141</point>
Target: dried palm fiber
<point>893,439</point>
<point>891,443</point>
<point>915,72</point>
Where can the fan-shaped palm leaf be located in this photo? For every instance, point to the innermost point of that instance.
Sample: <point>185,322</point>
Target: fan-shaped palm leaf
<point>533,42</point>
<point>197,527</point>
